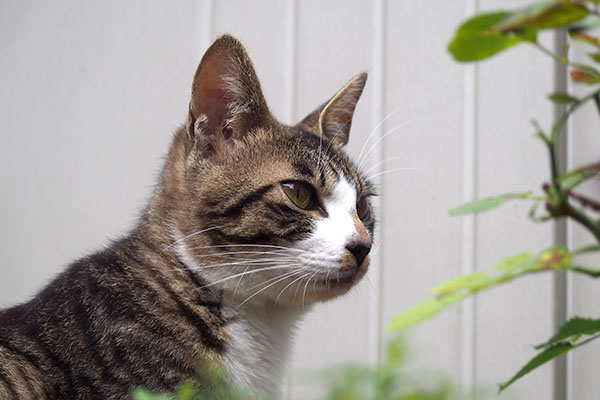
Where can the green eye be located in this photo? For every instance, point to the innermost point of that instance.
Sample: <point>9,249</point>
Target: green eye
<point>362,209</point>
<point>300,193</point>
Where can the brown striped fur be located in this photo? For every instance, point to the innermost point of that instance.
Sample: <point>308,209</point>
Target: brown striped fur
<point>135,313</point>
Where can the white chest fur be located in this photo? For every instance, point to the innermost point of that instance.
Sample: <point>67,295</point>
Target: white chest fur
<point>261,343</point>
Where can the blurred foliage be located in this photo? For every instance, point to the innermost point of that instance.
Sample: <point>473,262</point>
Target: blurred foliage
<point>484,36</point>
<point>387,381</point>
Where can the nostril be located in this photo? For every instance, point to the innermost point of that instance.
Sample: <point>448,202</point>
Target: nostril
<point>359,251</point>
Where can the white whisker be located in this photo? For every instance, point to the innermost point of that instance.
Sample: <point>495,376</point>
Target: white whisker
<point>188,236</point>
<point>263,289</point>
<point>374,146</point>
<point>375,130</point>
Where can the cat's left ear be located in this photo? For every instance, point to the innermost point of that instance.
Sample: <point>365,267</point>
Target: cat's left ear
<point>227,101</point>
<point>333,119</point>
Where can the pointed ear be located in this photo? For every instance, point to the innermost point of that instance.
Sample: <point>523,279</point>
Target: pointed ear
<point>227,99</point>
<point>333,119</point>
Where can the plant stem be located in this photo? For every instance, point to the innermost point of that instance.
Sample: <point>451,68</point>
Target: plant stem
<point>597,101</point>
<point>583,219</point>
<point>561,59</point>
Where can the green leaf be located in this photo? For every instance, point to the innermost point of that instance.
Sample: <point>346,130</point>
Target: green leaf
<point>486,203</point>
<point>469,281</point>
<point>562,98</point>
<point>141,394</point>
<point>513,263</point>
<point>422,311</point>
<point>555,258</point>
<point>591,22</point>
<point>572,179</point>
<point>586,249</point>
<point>474,39</point>
<point>542,15</point>
<point>542,358</point>
<point>573,329</point>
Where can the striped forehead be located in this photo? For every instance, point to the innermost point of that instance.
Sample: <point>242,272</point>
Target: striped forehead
<point>323,163</point>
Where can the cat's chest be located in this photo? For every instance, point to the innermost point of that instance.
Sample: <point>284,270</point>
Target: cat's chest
<point>260,347</point>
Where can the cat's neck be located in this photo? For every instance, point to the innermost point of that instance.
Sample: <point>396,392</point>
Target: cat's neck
<point>261,344</point>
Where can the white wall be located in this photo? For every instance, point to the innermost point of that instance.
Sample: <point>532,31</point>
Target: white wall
<point>91,92</point>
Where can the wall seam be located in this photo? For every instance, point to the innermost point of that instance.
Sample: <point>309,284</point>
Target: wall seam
<point>376,272</point>
<point>290,77</point>
<point>467,328</point>
<point>560,232</point>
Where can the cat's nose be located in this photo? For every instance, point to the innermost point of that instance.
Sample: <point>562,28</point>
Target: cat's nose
<point>359,251</point>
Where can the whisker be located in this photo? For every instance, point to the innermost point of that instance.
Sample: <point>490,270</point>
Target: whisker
<point>306,285</point>
<point>388,171</point>
<point>240,263</point>
<point>288,285</point>
<point>375,130</point>
<point>280,276</point>
<point>190,235</point>
<point>254,271</point>
<point>366,172</point>
<point>249,245</point>
<point>226,253</point>
<point>361,162</point>
<point>263,289</point>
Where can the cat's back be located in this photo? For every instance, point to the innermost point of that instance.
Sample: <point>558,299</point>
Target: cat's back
<point>108,323</point>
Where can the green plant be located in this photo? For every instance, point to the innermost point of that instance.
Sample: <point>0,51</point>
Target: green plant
<point>386,381</point>
<point>481,37</point>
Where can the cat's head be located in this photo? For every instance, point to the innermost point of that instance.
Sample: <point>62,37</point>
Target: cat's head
<point>264,211</point>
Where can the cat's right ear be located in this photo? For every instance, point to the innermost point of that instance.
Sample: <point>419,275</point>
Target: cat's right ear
<point>227,99</point>
<point>332,119</point>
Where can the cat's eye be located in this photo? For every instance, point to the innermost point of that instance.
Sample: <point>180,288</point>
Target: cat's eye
<point>362,209</point>
<point>300,193</point>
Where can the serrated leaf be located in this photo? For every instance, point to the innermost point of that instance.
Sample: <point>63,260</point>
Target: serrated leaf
<point>547,355</point>
<point>542,15</point>
<point>474,40</point>
<point>562,98</point>
<point>575,327</point>
<point>514,263</point>
<point>486,203</point>
<point>422,311</point>
<point>468,281</point>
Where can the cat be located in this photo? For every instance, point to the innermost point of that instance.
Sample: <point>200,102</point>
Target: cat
<point>246,215</point>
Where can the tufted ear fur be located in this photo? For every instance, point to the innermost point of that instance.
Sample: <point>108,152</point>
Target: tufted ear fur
<point>333,119</point>
<point>227,100</point>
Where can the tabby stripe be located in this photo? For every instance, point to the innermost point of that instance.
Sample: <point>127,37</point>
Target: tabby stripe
<point>208,338</point>
<point>92,341</point>
<point>281,209</point>
<point>58,365</point>
<point>8,385</point>
<point>22,354</point>
<point>237,208</point>
<point>303,169</point>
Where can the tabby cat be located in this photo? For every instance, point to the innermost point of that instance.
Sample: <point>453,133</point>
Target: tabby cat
<point>251,222</point>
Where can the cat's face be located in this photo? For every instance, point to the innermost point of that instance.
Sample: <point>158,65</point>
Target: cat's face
<point>269,212</point>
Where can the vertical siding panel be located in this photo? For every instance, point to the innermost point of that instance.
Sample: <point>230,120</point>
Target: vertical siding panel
<point>425,89</point>
<point>259,26</point>
<point>334,44</point>
<point>377,128</point>
<point>513,318</point>
<point>110,83</point>
<point>584,148</point>
<point>469,166</point>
